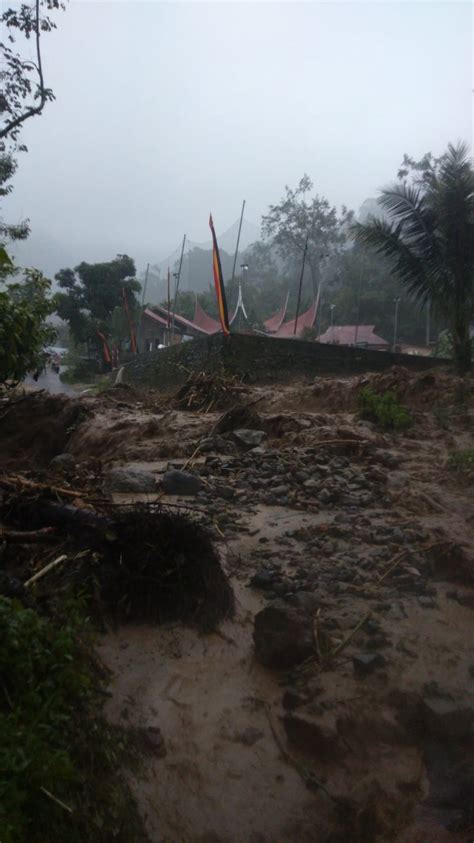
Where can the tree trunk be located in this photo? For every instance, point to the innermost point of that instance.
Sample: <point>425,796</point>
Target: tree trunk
<point>462,346</point>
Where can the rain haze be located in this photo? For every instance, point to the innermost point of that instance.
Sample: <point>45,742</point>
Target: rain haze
<point>165,111</point>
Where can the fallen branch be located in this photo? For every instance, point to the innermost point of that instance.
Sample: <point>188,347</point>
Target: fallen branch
<point>55,799</point>
<point>45,534</point>
<point>351,634</point>
<point>16,480</point>
<point>49,567</point>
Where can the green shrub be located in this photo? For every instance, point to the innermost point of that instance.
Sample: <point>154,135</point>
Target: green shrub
<point>58,761</point>
<point>461,460</point>
<point>384,410</point>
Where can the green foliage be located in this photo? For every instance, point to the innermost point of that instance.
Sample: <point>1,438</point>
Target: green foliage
<point>427,235</point>
<point>384,410</point>
<point>297,220</point>
<point>462,460</point>
<point>92,293</point>
<point>54,746</point>
<point>23,330</point>
<point>43,692</point>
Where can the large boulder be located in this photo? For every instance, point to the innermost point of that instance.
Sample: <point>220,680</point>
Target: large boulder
<point>123,479</point>
<point>283,636</point>
<point>180,483</point>
<point>249,438</point>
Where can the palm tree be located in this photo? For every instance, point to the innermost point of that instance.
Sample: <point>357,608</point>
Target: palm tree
<point>427,234</point>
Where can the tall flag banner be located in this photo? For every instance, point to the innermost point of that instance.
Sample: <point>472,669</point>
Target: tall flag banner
<point>219,281</point>
<point>169,301</point>
<point>133,339</point>
<point>107,354</point>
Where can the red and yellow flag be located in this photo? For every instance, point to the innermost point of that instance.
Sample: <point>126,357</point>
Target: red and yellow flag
<point>219,281</point>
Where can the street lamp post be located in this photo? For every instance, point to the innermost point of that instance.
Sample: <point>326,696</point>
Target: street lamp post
<point>331,308</point>
<point>245,269</point>
<point>395,324</point>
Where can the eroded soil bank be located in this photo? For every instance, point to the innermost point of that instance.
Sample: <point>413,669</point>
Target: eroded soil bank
<point>370,535</point>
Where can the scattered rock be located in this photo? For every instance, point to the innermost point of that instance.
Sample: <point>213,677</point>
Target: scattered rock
<point>64,461</point>
<point>365,663</point>
<point>447,719</point>
<point>125,479</point>
<point>283,636</point>
<point>251,438</point>
<point>263,579</point>
<point>292,699</point>
<point>278,491</point>
<point>152,740</point>
<point>226,492</point>
<point>248,736</point>
<point>315,736</point>
<point>180,483</point>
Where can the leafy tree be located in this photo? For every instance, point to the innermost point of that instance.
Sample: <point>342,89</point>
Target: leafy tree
<point>362,288</point>
<point>428,238</point>
<point>296,220</point>
<point>92,293</point>
<point>8,166</point>
<point>23,330</point>
<point>24,93</point>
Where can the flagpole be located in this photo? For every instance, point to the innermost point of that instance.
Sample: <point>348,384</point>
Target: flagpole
<point>236,253</point>
<point>142,307</point>
<point>177,284</point>
<point>301,284</point>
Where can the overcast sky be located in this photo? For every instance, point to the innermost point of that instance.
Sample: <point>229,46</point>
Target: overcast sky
<point>165,111</point>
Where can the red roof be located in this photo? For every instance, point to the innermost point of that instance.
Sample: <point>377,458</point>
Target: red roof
<point>346,335</point>
<point>305,320</point>
<point>180,320</point>
<point>155,316</point>
<point>275,322</point>
<point>205,322</point>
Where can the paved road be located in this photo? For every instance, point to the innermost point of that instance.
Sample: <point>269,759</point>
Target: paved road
<point>49,380</point>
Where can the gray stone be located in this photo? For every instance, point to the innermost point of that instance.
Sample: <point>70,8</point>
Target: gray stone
<point>324,495</point>
<point>292,699</point>
<point>365,663</point>
<point>302,476</point>
<point>226,492</point>
<point>263,579</point>
<point>313,735</point>
<point>180,483</point>
<point>283,636</point>
<point>65,461</point>
<point>248,736</point>
<point>123,479</point>
<point>447,719</point>
<point>280,490</point>
<point>251,438</point>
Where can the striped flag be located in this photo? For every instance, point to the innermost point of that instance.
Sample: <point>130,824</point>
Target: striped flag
<point>219,281</point>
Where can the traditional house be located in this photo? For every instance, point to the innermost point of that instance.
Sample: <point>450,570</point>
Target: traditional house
<point>360,335</point>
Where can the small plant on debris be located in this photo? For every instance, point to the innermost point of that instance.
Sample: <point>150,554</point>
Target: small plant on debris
<point>58,759</point>
<point>384,410</point>
<point>462,460</point>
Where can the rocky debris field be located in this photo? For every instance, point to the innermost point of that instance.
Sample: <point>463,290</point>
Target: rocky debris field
<point>337,705</point>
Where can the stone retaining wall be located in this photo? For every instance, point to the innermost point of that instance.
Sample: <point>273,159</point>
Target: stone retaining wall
<point>263,360</point>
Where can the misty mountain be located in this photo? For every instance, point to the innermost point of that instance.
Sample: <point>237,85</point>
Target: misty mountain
<point>227,242</point>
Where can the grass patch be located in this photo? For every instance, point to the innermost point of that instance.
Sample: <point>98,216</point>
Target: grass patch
<point>461,460</point>
<point>384,410</point>
<point>59,760</point>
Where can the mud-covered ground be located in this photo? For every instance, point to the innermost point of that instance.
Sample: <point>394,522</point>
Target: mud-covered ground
<point>368,533</point>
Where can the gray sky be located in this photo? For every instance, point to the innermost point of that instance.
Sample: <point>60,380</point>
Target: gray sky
<point>165,111</point>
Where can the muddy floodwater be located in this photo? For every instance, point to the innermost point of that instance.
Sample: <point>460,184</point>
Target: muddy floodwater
<point>366,534</point>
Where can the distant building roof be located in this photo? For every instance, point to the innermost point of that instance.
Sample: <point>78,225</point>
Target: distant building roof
<point>205,322</point>
<point>305,320</point>
<point>346,335</point>
<point>275,322</point>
